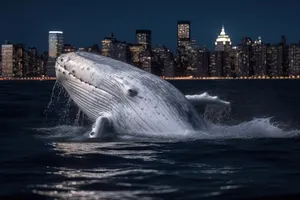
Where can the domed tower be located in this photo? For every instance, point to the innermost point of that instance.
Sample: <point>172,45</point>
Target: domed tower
<point>223,41</point>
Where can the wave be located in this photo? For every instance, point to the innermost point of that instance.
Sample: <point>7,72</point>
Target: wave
<point>256,128</point>
<point>63,133</point>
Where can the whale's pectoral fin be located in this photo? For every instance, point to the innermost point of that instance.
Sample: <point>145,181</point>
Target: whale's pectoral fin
<point>98,127</point>
<point>205,98</point>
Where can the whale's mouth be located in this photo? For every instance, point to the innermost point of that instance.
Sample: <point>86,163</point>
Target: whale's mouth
<point>68,75</point>
<point>90,98</point>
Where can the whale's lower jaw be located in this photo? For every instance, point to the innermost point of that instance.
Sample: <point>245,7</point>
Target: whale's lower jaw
<point>87,97</point>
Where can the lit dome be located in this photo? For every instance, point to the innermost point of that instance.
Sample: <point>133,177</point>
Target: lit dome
<point>223,38</point>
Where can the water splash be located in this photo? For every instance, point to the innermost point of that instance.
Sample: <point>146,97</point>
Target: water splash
<point>217,114</point>
<point>63,133</point>
<point>64,116</point>
<point>71,122</point>
<point>79,119</point>
<point>52,99</point>
<point>61,109</point>
<point>256,128</point>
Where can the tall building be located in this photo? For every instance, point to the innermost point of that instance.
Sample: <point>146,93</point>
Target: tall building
<point>245,57</point>
<point>32,62</point>
<point>204,62</point>
<point>234,61</point>
<point>56,42</point>
<point>120,51</point>
<point>147,61</point>
<point>193,58</point>
<point>197,60</point>
<point>220,60</point>
<point>39,66</point>
<point>220,64</point>
<point>183,44</point>
<point>294,60</point>
<point>215,64</point>
<point>285,56</point>
<point>259,55</point>
<point>25,63</point>
<point>273,64</point>
<point>7,60</point>
<point>144,37</point>
<point>115,49</point>
<point>18,62</point>
<point>169,67</point>
<point>44,58</point>
<point>183,33</point>
<point>106,45</point>
<point>136,51</point>
<point>223,41</point>
<point>160,52</point>
<point>163,64</point>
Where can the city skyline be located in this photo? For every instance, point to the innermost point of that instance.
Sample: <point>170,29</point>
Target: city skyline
<point>87,23</point>
<point>173,49</point>
<point>250,58</point>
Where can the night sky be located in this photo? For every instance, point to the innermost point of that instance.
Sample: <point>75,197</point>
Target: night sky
<point>87,22</point>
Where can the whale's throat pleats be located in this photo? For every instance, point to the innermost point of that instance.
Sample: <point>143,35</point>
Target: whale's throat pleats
<point>91,99</point>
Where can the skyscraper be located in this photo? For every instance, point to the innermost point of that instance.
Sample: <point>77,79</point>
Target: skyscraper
<point>106,45</point>
<point>294,60</point>
<point>273,60</point>
<point>32,62</point>
<point>115,49</point>
<point>183,43</point>
<point>56,43</point>
<point>55,49</point>
<point>136,51</point>
<point>219,64</point>
<point>120,51</point>
<point>144,38</point>
<point>259,58</point>
<point>183,33</point>
<point>7,60</point>
<point>18,63</point>
<point>223,42</point>
<point>163,62</point>
<point>285,56</point>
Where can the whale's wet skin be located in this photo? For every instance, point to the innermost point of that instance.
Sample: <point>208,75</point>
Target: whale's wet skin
<point>126,99</point>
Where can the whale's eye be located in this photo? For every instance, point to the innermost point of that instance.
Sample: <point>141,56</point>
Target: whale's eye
<point>132,92</point>
<point>61,60</point>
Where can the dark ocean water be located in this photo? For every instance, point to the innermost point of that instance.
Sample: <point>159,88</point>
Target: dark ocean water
<point>256,153</point>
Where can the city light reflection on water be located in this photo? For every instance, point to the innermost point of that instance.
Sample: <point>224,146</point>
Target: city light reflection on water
<point>126,171</point>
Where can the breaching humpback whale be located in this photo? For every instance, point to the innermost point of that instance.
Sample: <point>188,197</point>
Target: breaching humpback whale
<point>126,98</point>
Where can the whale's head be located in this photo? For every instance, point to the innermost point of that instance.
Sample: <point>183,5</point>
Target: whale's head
<point>136,100</point>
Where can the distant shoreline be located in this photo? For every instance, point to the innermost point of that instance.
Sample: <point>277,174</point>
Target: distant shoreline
<point>166,78</point>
